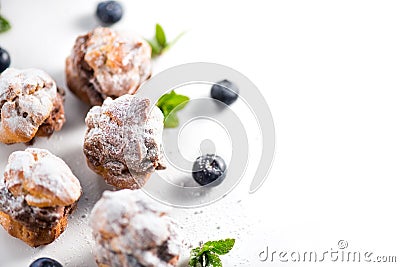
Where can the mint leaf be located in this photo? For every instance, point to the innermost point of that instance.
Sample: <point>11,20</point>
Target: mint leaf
<point>213,260</point>
<point>221,247</point>
<point>159,42</point>
<point>194,257</point>
<point>160,36</point>
<point>4,24</point>
<point>155,48</point>
<point>169,104</point>
<point>171,121</point>
<point>208,254</point>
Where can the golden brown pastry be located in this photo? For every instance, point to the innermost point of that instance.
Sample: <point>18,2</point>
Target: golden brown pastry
<point>38,193</point>
<point>30,104</point>
<point>104,64</point>
<point>132,230</point>
<point>123,141</point>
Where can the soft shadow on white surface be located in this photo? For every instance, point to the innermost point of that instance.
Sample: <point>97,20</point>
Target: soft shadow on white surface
<point>87,22</point>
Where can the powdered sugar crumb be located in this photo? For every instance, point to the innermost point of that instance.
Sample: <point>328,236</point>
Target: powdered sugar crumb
<point>42,178</point>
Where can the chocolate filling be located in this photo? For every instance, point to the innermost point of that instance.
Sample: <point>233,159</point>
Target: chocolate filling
<point>86,83</point>
<point>56,119</point>
<point>32,217</point>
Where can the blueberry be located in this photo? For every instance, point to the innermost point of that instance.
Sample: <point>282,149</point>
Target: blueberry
<point>221,92</point>
<point>45,262</point>
<point>109,12</point>
<point>209,168</point>
<point>4,60</point>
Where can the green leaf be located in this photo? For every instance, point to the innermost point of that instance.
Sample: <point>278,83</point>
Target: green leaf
<point>172,101</point>
<point>169,104</point>
<point>221,247</point>
<point>207,255</point>
<point>160,36</point>
<point>164,99</point>
<point>159,42</point>
<point>171,121</point>
<point>194,257</point>
<point>155,48</point>
<point>195,263</point>
<point>213,260</point>
<point>4,24</point>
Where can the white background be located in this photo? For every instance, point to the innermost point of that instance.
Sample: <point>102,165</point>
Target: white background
<point>329,71</point>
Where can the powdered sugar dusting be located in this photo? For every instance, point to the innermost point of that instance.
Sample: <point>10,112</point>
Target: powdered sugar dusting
<point>124,138</point>
<point>130,227</point>
<point>26,101</point>
<point>119,65</point>
<point>42,178</point>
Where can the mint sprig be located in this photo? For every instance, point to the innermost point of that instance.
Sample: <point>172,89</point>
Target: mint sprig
<point>208,254</point>
<point>160,36</point>
<point>4,24</point>
<point>159,43</point>
<point>170,104</point>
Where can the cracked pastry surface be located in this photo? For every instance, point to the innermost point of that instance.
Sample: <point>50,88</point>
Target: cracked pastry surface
<point>123,141</point>
<point>132,230</point>
<point>30,105</point>
<point>104,64</point>
<point>38,193</point>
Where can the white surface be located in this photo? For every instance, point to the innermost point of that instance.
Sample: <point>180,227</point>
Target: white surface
<point>329,72</point>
